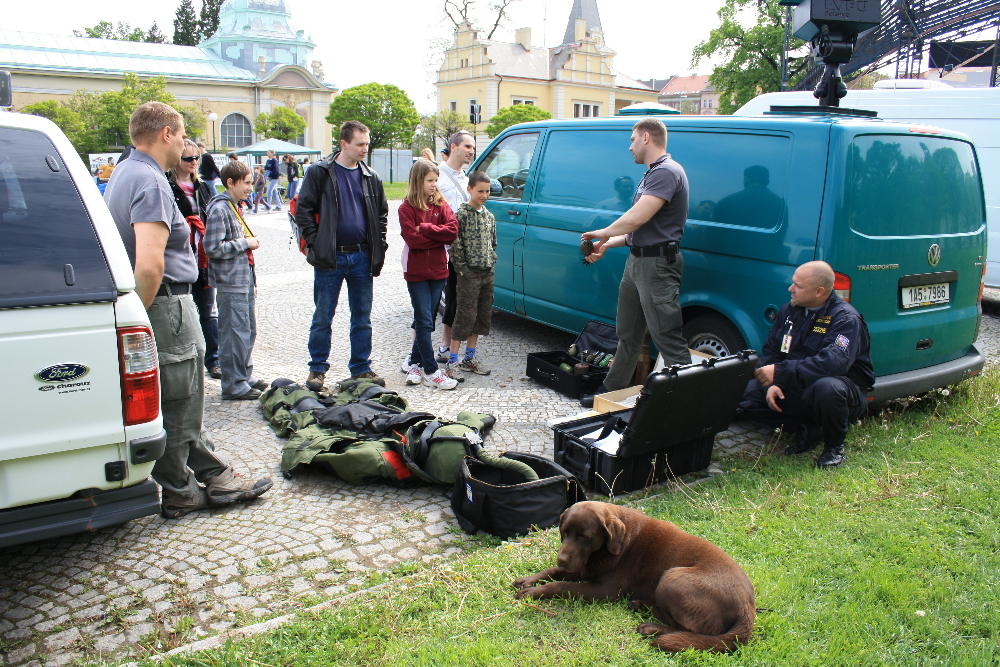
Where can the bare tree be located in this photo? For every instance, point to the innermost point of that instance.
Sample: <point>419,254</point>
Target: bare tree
<point>459,12</point>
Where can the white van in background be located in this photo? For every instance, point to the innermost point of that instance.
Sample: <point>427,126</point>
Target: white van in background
<point>972,111</point>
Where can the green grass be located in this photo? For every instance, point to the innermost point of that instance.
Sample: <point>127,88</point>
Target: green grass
<point>395,190</point>
<point>893,559</point>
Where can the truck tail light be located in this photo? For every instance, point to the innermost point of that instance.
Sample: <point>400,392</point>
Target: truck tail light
<point>982,283</point>
<point>139,374</point>
<point>842,286</point>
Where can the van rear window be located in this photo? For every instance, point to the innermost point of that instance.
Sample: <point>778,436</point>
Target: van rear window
<point>902,185</point>
<point>50,253</point>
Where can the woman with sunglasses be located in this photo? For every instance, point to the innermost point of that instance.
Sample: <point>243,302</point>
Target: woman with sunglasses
<point>192,196</point>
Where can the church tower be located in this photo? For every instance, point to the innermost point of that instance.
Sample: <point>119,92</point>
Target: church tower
<point>585,10</point>
<point>256,35</point>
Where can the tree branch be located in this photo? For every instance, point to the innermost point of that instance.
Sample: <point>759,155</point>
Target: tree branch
<point>501,9</point>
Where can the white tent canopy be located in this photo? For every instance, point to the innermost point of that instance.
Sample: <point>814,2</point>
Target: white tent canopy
<point>278,146</point>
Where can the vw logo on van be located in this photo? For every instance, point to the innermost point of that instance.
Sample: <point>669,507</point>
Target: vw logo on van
<point>934,254</point>
<point>62,373</point>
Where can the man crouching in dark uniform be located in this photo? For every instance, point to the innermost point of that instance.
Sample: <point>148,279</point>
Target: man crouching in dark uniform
<point>815,370</point>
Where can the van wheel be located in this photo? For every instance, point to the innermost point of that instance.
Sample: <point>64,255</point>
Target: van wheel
<point>714,335</point>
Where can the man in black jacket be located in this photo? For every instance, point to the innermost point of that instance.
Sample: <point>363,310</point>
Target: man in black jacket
<point>816,370</point>
<point>342,212</point>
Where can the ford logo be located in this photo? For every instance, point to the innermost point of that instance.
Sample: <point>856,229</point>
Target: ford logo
<point>62,373</point>
<point>934,254</point>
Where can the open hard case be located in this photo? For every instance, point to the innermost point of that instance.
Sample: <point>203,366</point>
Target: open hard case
<point>544,366</point>
<point>670,432</point>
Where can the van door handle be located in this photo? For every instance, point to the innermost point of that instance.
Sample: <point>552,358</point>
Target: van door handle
<point>513,211</point>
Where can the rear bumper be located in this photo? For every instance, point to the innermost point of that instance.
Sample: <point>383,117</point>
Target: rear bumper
<point>75,515</point>
<point>921,380</point>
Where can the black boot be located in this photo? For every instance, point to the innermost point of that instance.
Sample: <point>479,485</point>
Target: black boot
<point>806,438</point>
<point>588,401</point>
<point>831,457</point>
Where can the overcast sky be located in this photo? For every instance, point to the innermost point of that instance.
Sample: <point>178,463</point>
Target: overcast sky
<point>389,40</point>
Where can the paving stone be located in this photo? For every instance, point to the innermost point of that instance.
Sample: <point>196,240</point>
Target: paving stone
<point>62,639</point>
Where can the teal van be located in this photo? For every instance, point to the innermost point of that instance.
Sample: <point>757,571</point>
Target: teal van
<point>897,210</point>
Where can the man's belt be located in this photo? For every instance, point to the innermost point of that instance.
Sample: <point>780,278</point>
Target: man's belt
<point>668,250</point>
<point>173,289</point>
<point>352,248</point>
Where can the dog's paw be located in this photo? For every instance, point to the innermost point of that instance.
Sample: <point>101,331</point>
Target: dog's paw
<point>528,592</point>
<point>525,582</point>
<point>651,629</point>
<point>640,605</point>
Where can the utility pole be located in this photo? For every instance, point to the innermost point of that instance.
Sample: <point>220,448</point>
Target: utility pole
<point>784,50</point>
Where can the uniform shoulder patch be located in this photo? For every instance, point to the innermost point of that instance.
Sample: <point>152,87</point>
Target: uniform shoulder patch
<point>843,341</point>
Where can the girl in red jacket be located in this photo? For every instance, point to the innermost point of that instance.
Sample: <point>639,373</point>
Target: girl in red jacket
<point>428,225</point>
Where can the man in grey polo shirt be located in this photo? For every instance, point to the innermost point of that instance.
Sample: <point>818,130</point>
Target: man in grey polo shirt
<point>157,239</point>
<point>652,229</point>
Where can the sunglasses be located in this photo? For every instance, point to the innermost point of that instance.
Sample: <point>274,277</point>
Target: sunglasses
<point>191,158</point>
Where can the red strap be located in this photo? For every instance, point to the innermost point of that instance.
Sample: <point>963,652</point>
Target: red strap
<point>396,461</point>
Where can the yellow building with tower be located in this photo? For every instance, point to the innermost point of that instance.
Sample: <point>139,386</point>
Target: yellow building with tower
<point>576,79</point>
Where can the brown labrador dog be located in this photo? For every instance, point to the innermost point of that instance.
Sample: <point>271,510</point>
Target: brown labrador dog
<point>703,597</point>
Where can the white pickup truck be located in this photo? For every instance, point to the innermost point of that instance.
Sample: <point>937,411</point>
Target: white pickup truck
<point>79,383</point>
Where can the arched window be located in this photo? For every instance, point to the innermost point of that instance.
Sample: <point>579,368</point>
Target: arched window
<point>236,131</point>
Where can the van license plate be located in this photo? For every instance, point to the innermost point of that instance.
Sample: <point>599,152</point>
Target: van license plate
<point>925,295</point>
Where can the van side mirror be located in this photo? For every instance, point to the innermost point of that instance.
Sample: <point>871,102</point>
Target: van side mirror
<point>496,190</point>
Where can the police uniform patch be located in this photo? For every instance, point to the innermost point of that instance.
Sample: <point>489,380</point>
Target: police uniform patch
<point>843,341</point>
<point>819,329</point>
<point>823,320</point>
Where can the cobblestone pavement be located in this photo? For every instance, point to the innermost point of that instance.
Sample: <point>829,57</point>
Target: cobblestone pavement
<point>151,584</point>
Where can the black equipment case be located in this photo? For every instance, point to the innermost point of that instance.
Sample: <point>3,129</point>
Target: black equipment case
<point>544,366</point>
<point>503,503</point>
<point>670,432</point>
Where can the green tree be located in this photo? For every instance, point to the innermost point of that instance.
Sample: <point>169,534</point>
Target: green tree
<point>283,123</point>
<point>107,114</point>
<point>186,28</point>
<point>752,55</point>
<point>385,109</point>
<point>69,122</point>
<point>194,120</point>
<point>444,124</point>
<point>123,32</point>
<point>519,113</point>
<point>154,35</point>
<point>208,21</point>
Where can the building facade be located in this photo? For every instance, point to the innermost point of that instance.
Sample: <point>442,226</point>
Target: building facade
<point>576,79</point>
<point>254,63</point>
<point>692,95</point>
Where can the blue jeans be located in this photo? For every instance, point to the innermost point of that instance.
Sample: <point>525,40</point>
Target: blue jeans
<point>355,268</point>
<point>273,196</point>
<point>424,296</point>
<point>293,187</point>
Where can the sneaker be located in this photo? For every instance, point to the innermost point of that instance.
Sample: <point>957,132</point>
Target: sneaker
<point>371,376</point>
<point>251,395</point>
<point>473,366</point>
<point>215,373</point>
<point>451,370</point>
<point>588,401</point>
<point>261,385</point>
<point>229,487</point>
<point>173,507</point>
<point>315,381</point>
<point>407,365</point>
<point>443,357</point>
<point>831,457</point>
<point>413,374</point>
<point>439,379</point>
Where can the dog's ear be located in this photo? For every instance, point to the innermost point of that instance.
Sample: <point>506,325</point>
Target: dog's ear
<point>615,528</point>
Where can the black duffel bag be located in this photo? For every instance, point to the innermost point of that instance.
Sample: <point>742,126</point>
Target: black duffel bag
<point>503,503</point>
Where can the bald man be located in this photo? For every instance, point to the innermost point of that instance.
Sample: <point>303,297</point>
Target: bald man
<point>815,370</point>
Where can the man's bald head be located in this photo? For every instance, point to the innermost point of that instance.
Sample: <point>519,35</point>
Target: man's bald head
<point>812,284</point>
